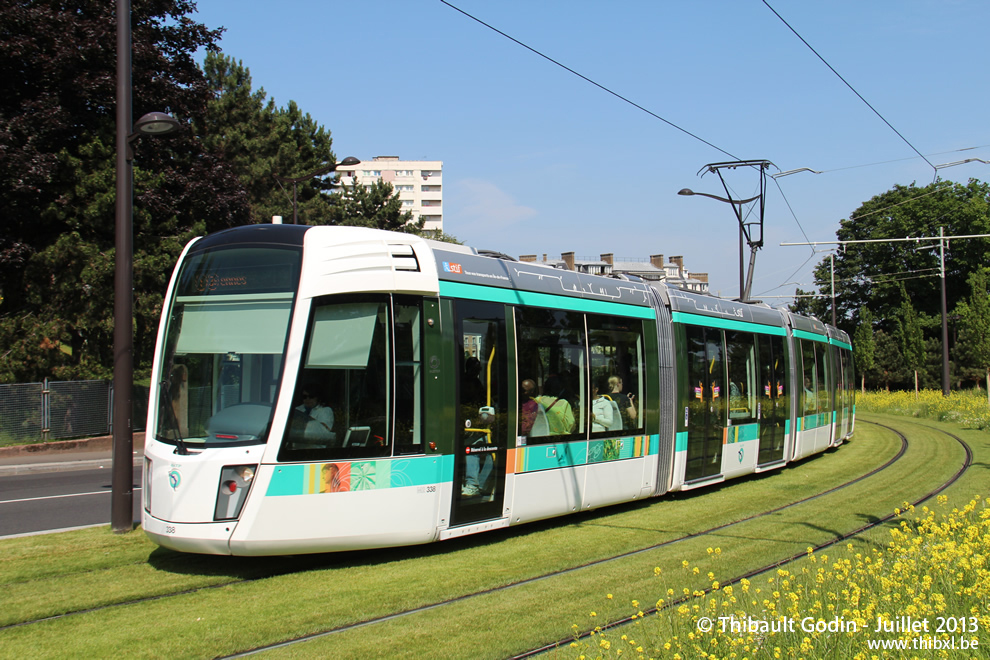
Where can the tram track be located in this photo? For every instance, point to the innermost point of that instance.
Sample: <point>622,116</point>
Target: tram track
<point>712,530</point>
<point>315,565</point>
<point>967,463</point>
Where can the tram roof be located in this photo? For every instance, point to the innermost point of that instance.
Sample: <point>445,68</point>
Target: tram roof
<point>686,302</point>
<point>466,266</point>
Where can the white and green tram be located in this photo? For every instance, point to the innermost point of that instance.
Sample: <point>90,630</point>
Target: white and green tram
<point>333,388</point>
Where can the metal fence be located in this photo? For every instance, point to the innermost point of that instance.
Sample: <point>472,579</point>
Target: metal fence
<point>58,410</point>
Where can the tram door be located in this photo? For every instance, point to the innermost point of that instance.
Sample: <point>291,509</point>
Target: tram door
<point>481,414</point>
<point>773,404</point>
<point>706,407</point>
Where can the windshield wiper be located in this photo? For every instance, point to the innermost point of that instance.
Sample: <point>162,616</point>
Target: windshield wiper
<point>165,402</point>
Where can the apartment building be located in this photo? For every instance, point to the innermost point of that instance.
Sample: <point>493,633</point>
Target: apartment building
<point>418,183</point>
<point>654,269</point>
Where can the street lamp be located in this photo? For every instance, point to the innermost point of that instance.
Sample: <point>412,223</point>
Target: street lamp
<point>153,123</point>
<point>737,208</point>
<point>326,169</point>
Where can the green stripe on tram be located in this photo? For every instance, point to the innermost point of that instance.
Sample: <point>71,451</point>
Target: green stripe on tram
<point>531,298</point>
<point>727,324</point>
<point>804,334</point>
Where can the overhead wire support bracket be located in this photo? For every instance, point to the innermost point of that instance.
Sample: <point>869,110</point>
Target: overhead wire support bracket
<point>754,239</point>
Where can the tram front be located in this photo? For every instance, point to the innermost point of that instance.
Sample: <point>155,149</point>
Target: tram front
<point>215,381</point>
<point>288,396</point>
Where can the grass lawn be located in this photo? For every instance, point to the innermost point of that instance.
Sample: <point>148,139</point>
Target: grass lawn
<point>219,609</point>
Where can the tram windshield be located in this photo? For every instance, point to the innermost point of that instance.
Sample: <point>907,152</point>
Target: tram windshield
<point>224,345</point>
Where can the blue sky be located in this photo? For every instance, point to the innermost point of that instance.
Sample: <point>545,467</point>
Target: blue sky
<point>537,160</point>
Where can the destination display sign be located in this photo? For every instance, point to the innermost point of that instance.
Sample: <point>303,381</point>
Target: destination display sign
<point>240,271</point>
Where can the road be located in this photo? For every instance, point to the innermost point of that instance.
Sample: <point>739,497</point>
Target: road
<point>49,501</point>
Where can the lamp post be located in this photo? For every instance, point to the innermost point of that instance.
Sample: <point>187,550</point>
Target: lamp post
<point>326,169</point>
<point>737,208</point>
<point>154,123</point>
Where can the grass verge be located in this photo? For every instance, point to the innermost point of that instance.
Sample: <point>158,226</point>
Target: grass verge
<point>308,595</point>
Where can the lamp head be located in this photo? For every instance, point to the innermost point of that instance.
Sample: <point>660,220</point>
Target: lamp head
<point>685,191</point>
<point>156,123</point>
<point>347,162</point>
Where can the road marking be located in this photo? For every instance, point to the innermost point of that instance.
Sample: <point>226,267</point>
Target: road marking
<point>55,497</point>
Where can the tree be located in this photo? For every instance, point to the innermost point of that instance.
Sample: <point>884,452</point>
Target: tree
<point>888,366</point>
<point>864,347</point>
<point>807,303</point>
<point>373,206</point>
<point>260,140</point>
<point>57,132</point>
<point>972,349</point>
<point>869,274</point>
<point>910,338</point>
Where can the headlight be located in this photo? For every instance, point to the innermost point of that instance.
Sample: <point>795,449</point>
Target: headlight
<point>235,482</point>
<point>148,478</point>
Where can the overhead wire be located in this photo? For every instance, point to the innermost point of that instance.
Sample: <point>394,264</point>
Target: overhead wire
<point>832,69</point>
<point>589,80</point>
<point>895,160</point>
<point>706,142</point>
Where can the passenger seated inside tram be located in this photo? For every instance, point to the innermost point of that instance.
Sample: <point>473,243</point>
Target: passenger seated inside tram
<point>625,402</point>
<point>532,415</point>
<point>603,409</point>
<point>560,415</point>
<point>318,416</point>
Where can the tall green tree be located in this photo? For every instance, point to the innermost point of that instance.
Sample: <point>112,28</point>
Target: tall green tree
<point>375,206</point>
<point>910,339</point>
<point>870,274</point>
<point>808,304</point>
<point>972,350</point>
<point>261,140</point>
<point>888,365</point>
<point>57,176</point>
<point>864,346</point>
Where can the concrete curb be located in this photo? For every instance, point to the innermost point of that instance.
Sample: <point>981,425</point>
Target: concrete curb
<point>63,466</point>
<point>81,454</point>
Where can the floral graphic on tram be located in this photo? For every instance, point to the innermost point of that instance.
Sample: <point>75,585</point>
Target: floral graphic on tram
<point>347,477</point>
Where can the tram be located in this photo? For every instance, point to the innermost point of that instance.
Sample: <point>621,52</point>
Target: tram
<point>321,389</point>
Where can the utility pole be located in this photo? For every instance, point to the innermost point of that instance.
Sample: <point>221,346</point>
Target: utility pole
<point>942,240</point>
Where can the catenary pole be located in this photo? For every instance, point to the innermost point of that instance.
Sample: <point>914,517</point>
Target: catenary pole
<point>942,241</point>
<point>122,488</point>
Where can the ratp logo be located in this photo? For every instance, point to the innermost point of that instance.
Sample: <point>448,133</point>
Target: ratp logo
<point>449,267</point>
<point>174,479</point>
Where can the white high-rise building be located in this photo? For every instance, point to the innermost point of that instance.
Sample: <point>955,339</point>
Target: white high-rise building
<point>419,184</point>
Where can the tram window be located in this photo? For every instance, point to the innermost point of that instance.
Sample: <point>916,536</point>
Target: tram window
<point>348,385</point>
<point>226,330</point>
<point>616,349</point>
<point>214,370</point>
<point>824,377</point>
<point>408,378</point>
<point>552,374</point>
<point>740,352</point>
<point>809,391</point>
